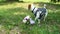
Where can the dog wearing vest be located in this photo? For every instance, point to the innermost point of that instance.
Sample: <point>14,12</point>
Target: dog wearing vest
<point>40,13</point>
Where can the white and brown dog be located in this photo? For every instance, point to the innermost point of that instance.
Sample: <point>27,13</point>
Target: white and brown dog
<point>28,18</point>
<point>40,13</point>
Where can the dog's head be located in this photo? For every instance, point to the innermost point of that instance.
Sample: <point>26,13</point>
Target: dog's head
<point>31,6</point>
<point>26,19</point>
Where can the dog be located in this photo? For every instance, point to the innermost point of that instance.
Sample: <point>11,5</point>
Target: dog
<point>40,13</point>
<point>28,18</point>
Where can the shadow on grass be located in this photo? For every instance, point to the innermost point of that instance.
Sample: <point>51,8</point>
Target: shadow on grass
<point>12,17</point>
<point>10,2</point>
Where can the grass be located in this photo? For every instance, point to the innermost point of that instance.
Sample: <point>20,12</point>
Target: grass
<point>12,14</point>
<point>36,0</point>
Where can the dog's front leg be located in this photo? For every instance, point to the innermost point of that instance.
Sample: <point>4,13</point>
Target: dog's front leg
<point>38,21</point>
<point>35,18</point>
<point>45,16</point>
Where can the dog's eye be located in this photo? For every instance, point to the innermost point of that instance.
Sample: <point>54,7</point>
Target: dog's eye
<point>26,19</point>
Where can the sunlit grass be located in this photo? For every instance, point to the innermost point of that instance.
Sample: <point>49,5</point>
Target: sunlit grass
<point>11,16</point>
<point>36,0</point>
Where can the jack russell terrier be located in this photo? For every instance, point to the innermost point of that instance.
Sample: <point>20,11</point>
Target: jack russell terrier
<point>28,18</point>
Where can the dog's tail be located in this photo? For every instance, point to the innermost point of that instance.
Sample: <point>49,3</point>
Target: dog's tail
<point>44,5</point>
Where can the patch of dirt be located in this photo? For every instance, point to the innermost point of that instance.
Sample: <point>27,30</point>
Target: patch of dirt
<point>15,31</point>
<point>2,30</point>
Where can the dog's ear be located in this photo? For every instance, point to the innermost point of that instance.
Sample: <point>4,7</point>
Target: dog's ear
<point>29,6</point>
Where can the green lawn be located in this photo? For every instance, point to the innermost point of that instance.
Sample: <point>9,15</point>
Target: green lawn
<point>36,0</point>
<point>12,14</point>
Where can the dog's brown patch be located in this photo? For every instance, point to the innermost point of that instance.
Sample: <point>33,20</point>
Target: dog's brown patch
<point>29,6</point>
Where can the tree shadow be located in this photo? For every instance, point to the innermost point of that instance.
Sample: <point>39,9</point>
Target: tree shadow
<point>5,3</point>
<point>10,2</point>
<point>13,17</point>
